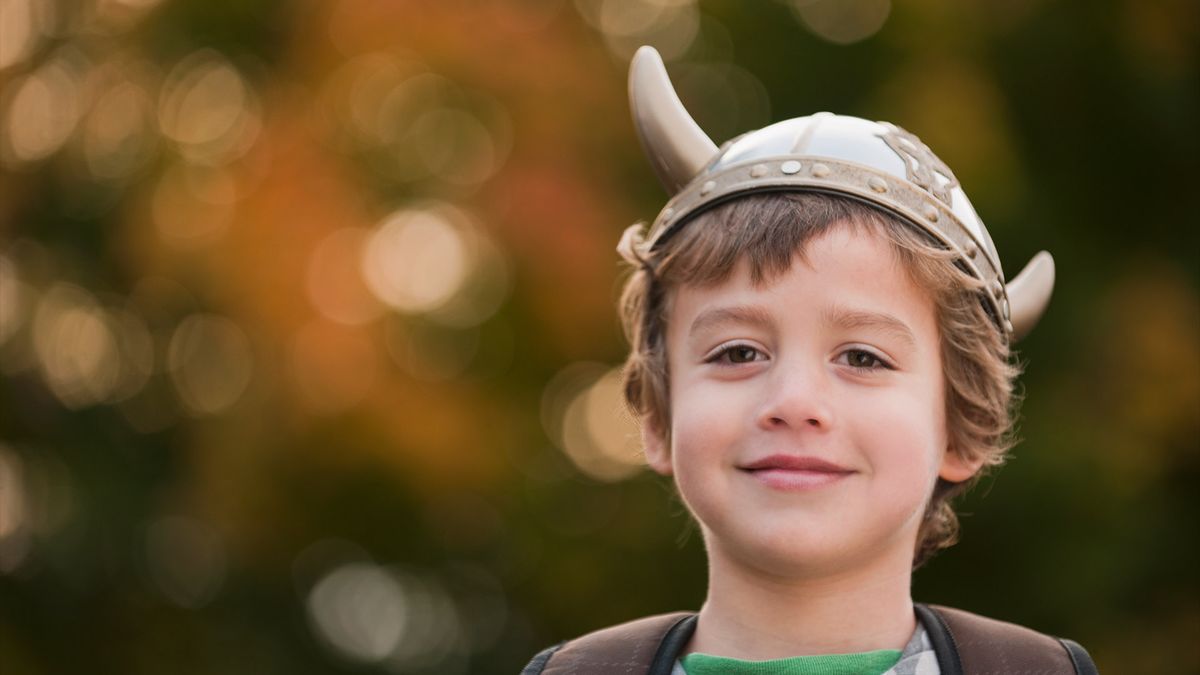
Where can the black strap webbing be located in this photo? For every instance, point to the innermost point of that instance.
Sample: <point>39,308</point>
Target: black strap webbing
<point>1079,657</point>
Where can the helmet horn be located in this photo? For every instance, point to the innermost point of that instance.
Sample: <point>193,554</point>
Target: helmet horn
<point>678,149</point>
<point>1029,293</point>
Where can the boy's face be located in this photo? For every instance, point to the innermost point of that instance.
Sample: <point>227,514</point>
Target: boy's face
<point>807,414</point>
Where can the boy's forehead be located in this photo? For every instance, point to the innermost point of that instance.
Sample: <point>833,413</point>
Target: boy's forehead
<point>849,245</point>
<point>853,265</point>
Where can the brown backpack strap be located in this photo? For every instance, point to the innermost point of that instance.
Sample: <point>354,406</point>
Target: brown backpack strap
<point>966,644</point>
<point>969,644</point>
<point>645,646</point>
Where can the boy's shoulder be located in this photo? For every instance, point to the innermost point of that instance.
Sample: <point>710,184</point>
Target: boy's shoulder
<point>965,643</point>
<point>969,643</point>
<point>647,645</point>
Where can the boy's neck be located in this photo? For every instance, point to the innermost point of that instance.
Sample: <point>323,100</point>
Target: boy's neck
<point>756,616</point>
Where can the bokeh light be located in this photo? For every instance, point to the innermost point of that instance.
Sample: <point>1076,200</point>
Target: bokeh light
<point>25,23</point>
<point>208,109</point>
<point>726,99</point>
<point>36,501</point>
<point>18,301</point>
<point>370,614</point>
<point>360,609</point>
<point>76,346</point>
<point>136,350</point>
<point>455,146</point>
<point>21,28</point>
<point>416,260</point>
<point>43,109</point>
<point>843,22</point>
<point>12,299</point>
<point>386,95</point>
<point>585,413</point>
<point>669,25</point>
<point>118,134</point>
<point>211,362</point>
<point>134,6</point>
<point>415,123</point>
<point>14,539</point>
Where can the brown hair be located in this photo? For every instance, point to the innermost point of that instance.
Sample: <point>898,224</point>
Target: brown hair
<point>769,230</point>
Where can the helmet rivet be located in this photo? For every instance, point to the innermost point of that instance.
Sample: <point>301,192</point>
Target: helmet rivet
<point>997,288</point>
<point>707,188</point>
<point>790,167</point>
<point>820,170</point>
<point>667,213</point>
<point>1008,327</point>
<point>876,183</point>
<point>931,213</point>
<point>1004,309</point>
<point>972,250</point>
<point>758,170</point>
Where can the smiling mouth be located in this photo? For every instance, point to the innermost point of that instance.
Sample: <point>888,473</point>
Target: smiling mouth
<point>790,473</point>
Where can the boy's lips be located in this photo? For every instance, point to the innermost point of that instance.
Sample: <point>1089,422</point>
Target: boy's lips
<point>792,472</point>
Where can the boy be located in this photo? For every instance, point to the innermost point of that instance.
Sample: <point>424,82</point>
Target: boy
<point>820,334</point>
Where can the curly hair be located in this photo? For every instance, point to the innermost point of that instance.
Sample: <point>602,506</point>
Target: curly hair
<point>769,230</point>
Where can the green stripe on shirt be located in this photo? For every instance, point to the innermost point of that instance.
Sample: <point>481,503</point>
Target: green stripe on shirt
<point>865,663</point>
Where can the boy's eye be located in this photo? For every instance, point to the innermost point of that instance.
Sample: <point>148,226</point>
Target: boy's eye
<point>864,360</point>
<point>742,354</point>
<point>736,354</point>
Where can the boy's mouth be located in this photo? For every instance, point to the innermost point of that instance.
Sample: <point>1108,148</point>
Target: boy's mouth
<point>791,472</point>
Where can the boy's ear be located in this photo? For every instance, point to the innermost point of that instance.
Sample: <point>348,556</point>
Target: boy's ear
<point>956,468</point>
<point>658,451</point>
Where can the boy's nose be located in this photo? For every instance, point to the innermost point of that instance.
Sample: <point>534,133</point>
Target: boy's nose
<point>797,397</point>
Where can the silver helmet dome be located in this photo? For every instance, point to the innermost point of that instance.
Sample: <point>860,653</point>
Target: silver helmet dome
<point>874,162</point>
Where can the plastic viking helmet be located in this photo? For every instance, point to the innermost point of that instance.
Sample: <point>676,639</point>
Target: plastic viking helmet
<point>873,162</point>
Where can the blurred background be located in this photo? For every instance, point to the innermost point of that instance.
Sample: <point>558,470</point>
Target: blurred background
<point>307,343</point>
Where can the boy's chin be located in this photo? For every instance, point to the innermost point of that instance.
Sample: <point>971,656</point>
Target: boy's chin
<point>791,556</point>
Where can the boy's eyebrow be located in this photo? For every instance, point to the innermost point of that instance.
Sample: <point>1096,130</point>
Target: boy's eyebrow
<point>745,314</point>
<point>850,318</point>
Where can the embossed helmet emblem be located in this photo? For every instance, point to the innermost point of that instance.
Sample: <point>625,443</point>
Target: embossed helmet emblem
<point>920,162</point>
